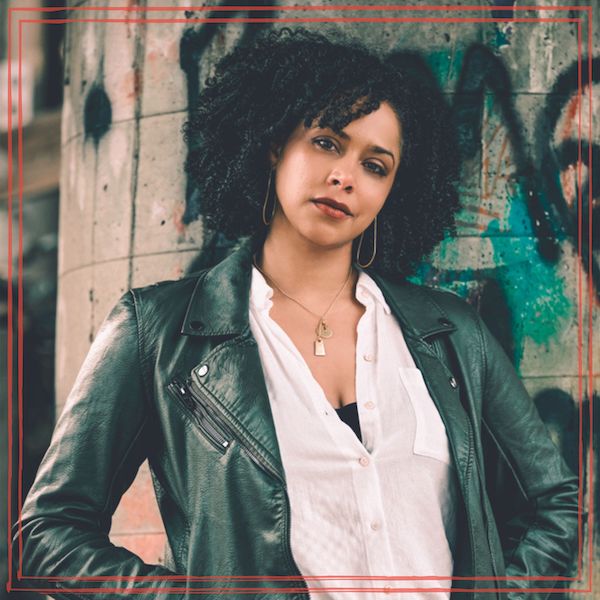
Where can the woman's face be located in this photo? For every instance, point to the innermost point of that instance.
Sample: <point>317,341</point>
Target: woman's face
<point>331,186</point>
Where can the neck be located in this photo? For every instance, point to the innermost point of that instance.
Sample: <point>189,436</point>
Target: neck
<point>305,270</point>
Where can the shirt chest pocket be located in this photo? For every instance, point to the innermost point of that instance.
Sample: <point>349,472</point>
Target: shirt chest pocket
<point>431,439</point>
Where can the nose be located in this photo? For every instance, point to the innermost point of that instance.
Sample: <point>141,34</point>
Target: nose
<point>341,179</point>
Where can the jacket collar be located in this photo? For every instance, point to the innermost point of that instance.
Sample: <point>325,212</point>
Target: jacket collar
<point>419,315</point>
<point>219,304</point>
<point>220,301</point>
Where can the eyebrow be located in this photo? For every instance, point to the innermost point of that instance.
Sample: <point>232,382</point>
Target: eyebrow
<point>375,148</point>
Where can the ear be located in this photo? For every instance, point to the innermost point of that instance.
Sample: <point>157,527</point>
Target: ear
<point>274,153</point>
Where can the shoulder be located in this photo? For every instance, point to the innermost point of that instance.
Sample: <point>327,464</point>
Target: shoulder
<point>161,305</point>
<point>176,290</point>
<point>427,305</point>
<point>449,302</point>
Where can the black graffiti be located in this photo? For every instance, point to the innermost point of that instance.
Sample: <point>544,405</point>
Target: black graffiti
<point>554,160</point>
<point>503,14</point>
<point>97,113</point>
<point>483,72</point>
<point>552,219</point>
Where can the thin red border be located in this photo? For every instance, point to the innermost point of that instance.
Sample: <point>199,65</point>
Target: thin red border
<point>587,9</point>
<point>236,8</point>
<point>309,20</point>
<point>579,307</point>
<point>590,296</point>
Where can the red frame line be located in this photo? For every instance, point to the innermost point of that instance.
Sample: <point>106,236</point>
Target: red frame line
<point>579,308</point>
<point>587,9</point>
<point>9,333</point>
<point>24,20</point>
<point>290,577</point>
<point>590,304</point>
<point>20,288</point>
<point>377,8</point>
<point>310,20</point>
<point>287,590</point>
<point>263,590</point>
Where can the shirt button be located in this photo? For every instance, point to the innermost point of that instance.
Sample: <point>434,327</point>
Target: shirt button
<point>387,589</point>
<point>368,357</point>
<point>202,371</point>
<point>370,405</point>
<point>364,461</point>
<point>375,525</point>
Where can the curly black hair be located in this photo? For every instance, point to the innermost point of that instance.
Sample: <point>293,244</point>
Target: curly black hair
<point>260,93</point>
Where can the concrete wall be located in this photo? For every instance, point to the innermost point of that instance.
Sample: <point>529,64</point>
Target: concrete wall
<point>126,210</point>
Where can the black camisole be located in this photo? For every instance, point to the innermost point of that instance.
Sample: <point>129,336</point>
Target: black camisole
<point>349,414</point>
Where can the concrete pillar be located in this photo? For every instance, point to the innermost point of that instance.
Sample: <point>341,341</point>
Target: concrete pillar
<point>125,220</point>
<point>122,201</point>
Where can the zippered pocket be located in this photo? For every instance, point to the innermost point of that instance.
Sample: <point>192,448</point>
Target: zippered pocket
<point>213,431</point>
<point>193,402</point>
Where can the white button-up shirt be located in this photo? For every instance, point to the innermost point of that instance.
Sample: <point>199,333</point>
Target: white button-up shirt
<point>383,507</point>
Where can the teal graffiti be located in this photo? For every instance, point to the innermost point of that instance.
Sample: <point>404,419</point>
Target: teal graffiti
<point>445,64</point>
<point>502,37</point>
<point>536,291</point>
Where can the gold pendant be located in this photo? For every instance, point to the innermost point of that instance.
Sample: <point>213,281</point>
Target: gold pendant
<point>319,347</point>
<point>323,330</point>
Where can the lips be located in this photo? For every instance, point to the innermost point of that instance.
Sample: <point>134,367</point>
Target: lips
<point>330,202</point>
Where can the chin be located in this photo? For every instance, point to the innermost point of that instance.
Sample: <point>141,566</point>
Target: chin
<point>326,239</point>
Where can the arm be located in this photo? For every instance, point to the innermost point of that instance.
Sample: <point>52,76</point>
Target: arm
<point>541,540</point>
<point>98,444</point>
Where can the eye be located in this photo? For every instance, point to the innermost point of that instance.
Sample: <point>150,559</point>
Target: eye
<point>375,168</point>
<point>325,143</point>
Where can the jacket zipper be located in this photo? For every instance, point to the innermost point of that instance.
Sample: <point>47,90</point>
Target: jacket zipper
<point>198,397</point>
<point>218,436</point>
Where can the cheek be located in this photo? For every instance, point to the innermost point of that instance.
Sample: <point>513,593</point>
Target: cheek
<point>294,174</point>
<point>378,193</point>
<point>388,188</point>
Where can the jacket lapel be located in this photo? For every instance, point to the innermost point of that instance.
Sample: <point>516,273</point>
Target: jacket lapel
<point>230,374</point>
<point>233,378</point>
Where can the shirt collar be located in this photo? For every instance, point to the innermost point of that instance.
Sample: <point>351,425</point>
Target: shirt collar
<point>368,291</point>
<point>260,291</point>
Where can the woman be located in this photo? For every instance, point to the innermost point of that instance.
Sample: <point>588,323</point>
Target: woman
<point>340,169</point>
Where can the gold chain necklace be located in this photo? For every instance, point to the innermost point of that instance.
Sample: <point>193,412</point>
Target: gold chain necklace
<point>322,331</point>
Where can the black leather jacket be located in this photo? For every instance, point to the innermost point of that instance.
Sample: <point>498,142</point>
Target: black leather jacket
<point>174,376</point>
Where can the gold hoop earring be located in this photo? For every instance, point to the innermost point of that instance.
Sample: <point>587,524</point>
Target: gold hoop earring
<point>360,241</point>
<point>264,208</point>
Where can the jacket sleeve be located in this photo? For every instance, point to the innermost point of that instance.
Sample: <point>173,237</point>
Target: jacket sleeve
<point>98,444</point>
<point>542,538</point>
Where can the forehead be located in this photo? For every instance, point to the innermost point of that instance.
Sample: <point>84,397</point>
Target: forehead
<point>381,125</point>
